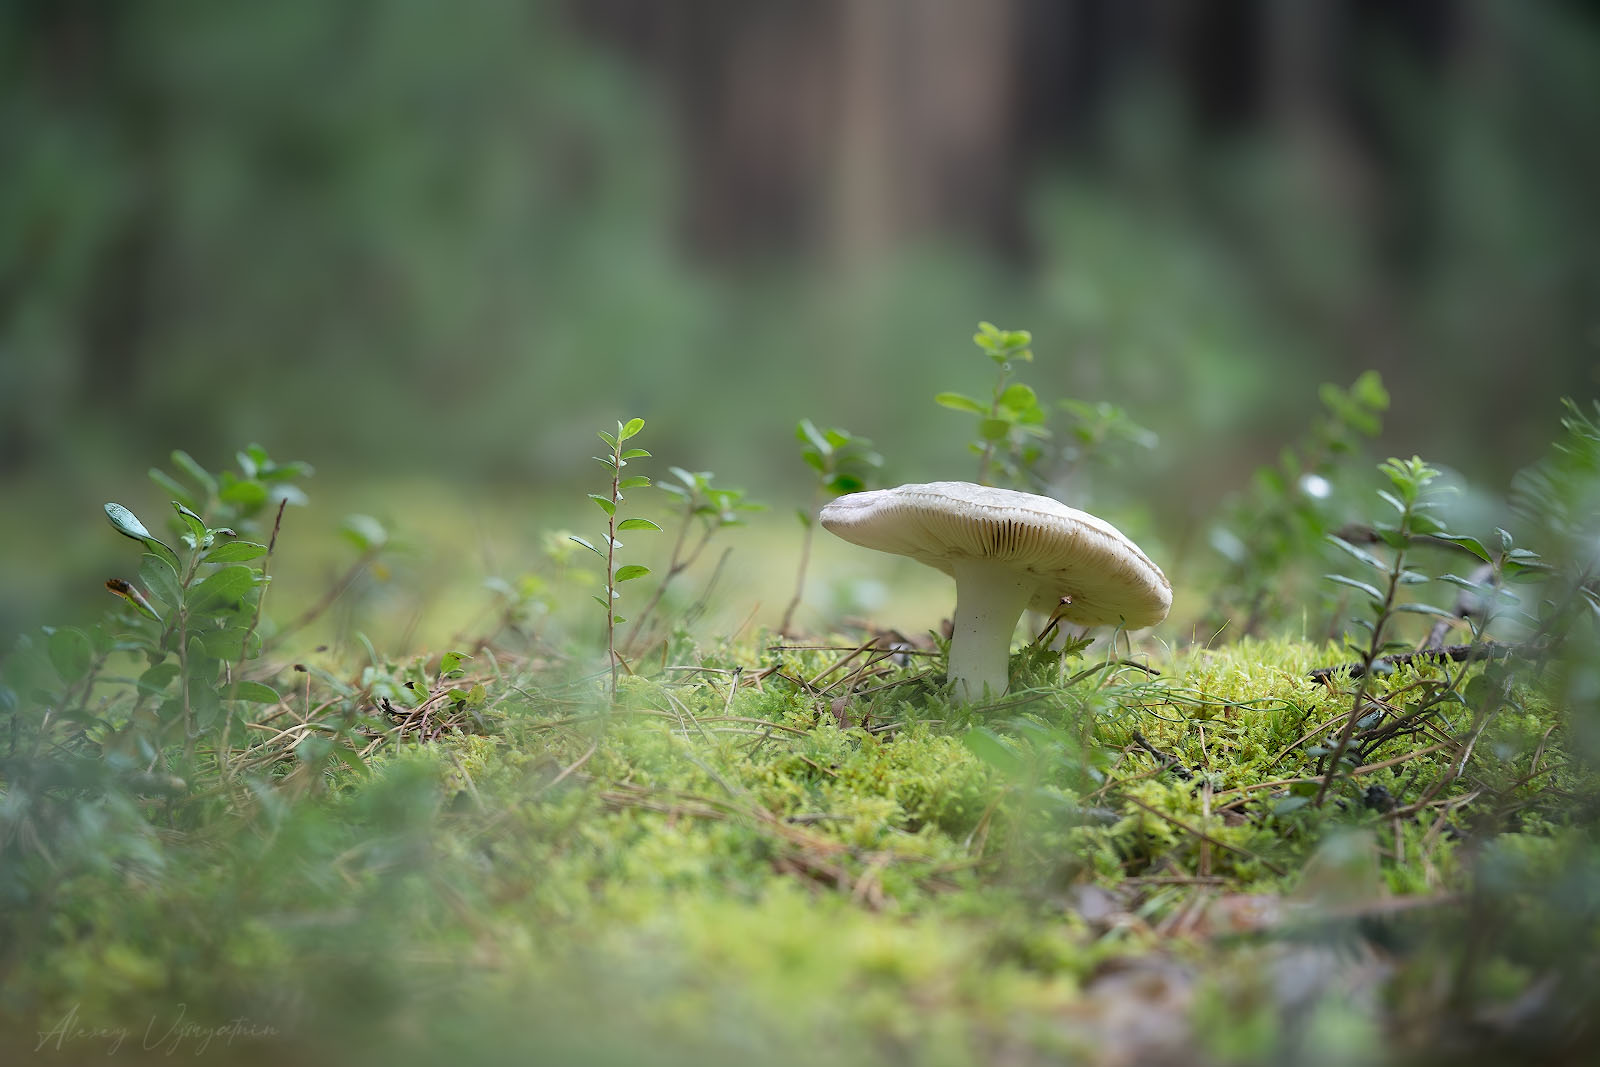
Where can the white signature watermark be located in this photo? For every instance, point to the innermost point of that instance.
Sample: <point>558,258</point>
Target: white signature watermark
<point>170,1036</point>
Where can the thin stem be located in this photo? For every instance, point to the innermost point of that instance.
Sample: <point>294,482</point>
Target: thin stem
<point>677,565</point>
<point>222,753</point>
<point>800,577</point>
<point>1374,648</point>
<point>183,657</point>
<point>987,458</point>
<point>611,561</point>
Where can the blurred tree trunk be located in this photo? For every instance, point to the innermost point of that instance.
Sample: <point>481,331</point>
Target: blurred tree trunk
<point>925,134</point>
<point>841,126</point>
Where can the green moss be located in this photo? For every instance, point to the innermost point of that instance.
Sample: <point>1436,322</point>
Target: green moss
<point>754,880</point>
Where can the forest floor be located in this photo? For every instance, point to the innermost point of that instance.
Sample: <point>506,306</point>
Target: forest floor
<point>785,852</point>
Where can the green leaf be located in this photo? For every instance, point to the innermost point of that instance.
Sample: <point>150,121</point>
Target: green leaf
<point>631,571</point>
<point>236,552</point>
<point>1371,591</point>
<point>638,481</point>
<point>160,579</point>
<point>364,532</point>
<point>1019,397</point>
<point>807,432</point>
<point>1471,544</point>
<point>157,678</point>
<point>314,750</point>
<point>128,525</point>
<point>248,495</point>
<point>636,453</point>
<point>994,429</point>
<point>196,524</point>
<point>605,503</point>
<point>1358,553</point>
<point>636,524</point>
<point>173,487</point>
<point>1391,536</point>
<point>70,653</point>
<point>958,402</point>
<point>585,544</point>
<point>1425,609</point>
<point>1368,391</point>
<point>841,484</point>
<point>1423,523</point>
<point>988,747</point>
<point>451,662</point>
<point>235,643</point>
<point>632,428</point>
<point>222,591</point>
<point>127,591</point>
<point>201,477</point>
<point>256,693</point>
<point>204,702</point>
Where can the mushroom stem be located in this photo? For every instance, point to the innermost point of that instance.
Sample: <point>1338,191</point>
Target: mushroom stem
<point>990,597</point>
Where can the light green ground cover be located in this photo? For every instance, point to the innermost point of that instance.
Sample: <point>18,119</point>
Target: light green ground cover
<point>705,874</point>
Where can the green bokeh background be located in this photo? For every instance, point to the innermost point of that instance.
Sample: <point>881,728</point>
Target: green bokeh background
<point>431,248</point>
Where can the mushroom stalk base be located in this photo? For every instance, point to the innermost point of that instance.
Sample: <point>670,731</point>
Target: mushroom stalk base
<point>990,598</point>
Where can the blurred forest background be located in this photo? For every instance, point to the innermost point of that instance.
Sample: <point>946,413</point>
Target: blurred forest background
<point>431,248</point>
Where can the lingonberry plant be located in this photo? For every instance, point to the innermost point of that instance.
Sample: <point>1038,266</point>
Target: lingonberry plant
<point>1011,423</point>
<point>1414,503</point>
<point>615,573</point>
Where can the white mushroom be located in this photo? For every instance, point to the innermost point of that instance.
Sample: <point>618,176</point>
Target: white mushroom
<point>1006,550</point>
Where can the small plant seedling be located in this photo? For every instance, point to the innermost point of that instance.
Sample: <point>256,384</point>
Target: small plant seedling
<point>615,575</point>
<point>1011,425</point>
<point>197,603</point>
<point>1413,502</point>
<point>714,508</point>
<point>843,463</point>
<point>238,500</point>
<point>196,611</point>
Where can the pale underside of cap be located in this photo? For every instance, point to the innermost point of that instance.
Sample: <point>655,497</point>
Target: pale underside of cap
<point>1069,553</point>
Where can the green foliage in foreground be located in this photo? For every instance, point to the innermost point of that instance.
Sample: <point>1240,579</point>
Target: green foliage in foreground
<point>751,877</point>
<point>754,851</point>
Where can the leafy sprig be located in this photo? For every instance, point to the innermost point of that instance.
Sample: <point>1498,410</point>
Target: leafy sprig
<point>616,574</point>
<point>1011,424</point>
<point>714,508</point>
<point>843,463</point>
<point>1414,502</point>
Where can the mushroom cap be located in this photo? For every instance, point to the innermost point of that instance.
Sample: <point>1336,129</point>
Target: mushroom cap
<point>1069,552</point>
